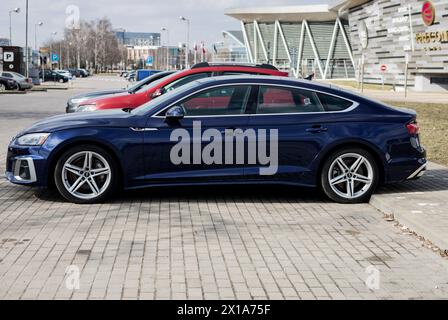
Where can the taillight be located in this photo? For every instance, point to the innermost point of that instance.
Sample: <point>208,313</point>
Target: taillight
<point>413,128</point>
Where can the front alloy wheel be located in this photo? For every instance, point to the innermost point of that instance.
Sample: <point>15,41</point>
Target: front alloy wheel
<point>86,174</point>
<point>350,176</point>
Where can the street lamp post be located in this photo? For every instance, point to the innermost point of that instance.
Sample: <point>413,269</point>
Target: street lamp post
<point>39,24</point>
<point>187,45</point>
<point>51,49</point>
<point>15,10</point>
<point>27,63</point>
<point>167,47</point>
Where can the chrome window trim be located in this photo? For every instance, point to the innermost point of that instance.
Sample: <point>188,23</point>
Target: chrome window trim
<point>349,109</point>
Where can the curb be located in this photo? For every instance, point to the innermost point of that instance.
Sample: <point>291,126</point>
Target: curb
<point>13,92</point>
<point>405,218</point>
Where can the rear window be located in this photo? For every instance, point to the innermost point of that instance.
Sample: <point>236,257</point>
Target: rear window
<point>332,103</point>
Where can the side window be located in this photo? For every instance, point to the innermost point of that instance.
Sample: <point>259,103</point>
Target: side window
<point>180,82</point>
<point>7,75</point>
<point>229,100</point>
<point>332,103</point>
<point>287,100</point>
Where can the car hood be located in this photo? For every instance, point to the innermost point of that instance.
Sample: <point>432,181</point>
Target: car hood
<point>107,118</point>
<point>94,94</point>
<point>120,95</point>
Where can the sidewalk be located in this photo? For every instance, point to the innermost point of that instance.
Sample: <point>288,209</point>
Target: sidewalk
<point>421,205</point>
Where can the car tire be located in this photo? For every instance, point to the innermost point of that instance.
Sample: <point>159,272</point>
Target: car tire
<point>349,175</point>
<point>86,174</point>
<point>61,81</point>
<point>2,87</point>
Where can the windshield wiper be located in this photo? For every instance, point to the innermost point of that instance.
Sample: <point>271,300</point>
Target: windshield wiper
<point>128,110</point>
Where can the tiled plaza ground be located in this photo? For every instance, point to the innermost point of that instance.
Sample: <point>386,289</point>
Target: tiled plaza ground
<point>199,243</point>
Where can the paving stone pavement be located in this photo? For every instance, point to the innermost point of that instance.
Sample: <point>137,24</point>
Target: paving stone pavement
<point>200,243</point>
<point>420,205</point>
<point>206,244</point>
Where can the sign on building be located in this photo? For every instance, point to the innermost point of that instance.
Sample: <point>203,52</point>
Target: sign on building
<point>8,56</point>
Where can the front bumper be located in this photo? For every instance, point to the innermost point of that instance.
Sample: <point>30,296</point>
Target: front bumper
<point>71,108</point>
<point>22,171</point>
<point>26,165</point>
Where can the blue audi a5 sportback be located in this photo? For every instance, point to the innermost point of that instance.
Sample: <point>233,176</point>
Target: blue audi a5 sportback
<point>225,130</point>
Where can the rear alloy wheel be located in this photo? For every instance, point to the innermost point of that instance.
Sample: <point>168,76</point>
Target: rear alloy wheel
<point>86,174</point>
<point>349,176</point>
<point>2,87</point>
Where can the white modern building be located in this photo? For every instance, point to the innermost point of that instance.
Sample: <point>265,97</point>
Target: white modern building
<point>302,39</point>
<point>396,42</point>
<point>231,48</point>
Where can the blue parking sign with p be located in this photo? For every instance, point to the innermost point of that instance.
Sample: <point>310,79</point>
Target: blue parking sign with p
<point>149,61</point>
<point>54,57</point>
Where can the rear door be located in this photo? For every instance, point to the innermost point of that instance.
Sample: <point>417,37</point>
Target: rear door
<point>298,118</point>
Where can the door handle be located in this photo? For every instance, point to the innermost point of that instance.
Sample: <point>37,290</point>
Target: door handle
<point>317,129</point>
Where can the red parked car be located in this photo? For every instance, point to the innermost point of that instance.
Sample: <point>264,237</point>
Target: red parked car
<point>202,70</point>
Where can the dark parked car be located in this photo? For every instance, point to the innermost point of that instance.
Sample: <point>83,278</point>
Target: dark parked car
<point>73,103</point>
<point>75,72</point>
<point>8,84</point>
<point>49,75</point>
<point>22,82</point>
<point>317,136</point>
<point>84,73</point>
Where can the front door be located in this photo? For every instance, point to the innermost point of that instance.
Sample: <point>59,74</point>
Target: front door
<point>200,147</point>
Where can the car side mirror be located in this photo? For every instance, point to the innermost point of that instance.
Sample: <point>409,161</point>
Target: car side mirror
<point>175,113</point>
<point>158,93</point>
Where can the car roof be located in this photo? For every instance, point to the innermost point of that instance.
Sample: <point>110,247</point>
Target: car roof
<point>264,79</point>
<point>286,81</point>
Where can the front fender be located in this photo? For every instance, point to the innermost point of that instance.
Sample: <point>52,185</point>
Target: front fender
<point>124,144</point>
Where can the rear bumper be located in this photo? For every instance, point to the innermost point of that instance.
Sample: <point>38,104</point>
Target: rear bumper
<point>418,173</point>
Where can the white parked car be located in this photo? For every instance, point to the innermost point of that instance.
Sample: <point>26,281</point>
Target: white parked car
<point>65,73</point>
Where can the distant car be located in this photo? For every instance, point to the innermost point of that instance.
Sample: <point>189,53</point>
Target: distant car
<point>8,84</point>
<point>50,75</point>
<point>23,82</point>
<point>131,76</point>
<point>84,73</point>
<point>75,72</point>
<point>176,80</point>
<point>65,73</point>
<point>73,103</point>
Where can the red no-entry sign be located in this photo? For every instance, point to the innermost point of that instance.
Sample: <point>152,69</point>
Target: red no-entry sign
<point>383,68</point>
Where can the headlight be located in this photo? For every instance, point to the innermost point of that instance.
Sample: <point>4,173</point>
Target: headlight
<point>32,139</point>
<point>86,108</point>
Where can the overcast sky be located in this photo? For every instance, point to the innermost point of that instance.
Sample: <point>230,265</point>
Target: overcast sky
<point>207,16</point>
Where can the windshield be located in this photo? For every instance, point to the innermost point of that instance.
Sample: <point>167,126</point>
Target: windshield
<point>155,83</point>
<point>150,80</point>
<point>143,109</point>
<point>18,75</point>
